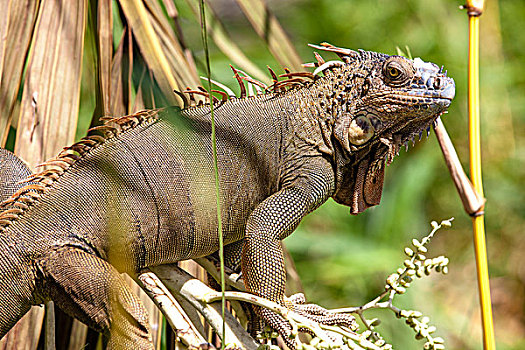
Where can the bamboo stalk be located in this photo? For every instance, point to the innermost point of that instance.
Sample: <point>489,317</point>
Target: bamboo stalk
<point>474,11</point>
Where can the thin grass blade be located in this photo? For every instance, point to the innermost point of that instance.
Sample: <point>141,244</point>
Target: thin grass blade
<point>221,38</point>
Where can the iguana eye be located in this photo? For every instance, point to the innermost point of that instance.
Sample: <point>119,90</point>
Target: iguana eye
<point>397,71</point>
<point>393,72</point>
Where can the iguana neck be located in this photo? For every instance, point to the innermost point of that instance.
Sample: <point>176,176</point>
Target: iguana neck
<point>311,130</point>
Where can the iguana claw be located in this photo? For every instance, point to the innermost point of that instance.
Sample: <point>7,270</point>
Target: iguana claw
<point>297,303</point>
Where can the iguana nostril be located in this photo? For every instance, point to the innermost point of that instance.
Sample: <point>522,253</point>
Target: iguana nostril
<point>437,83</point>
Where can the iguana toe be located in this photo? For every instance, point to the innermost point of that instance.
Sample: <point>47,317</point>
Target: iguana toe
<point>297,303</point>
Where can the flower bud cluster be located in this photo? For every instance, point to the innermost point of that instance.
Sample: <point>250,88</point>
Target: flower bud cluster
<point>375,338</point>
<point>416,266</point>
<point>267,333</point>
<point>268,347</point>
<point>423,329</point>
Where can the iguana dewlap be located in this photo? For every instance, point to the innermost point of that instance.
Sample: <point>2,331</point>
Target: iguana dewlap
<point>139,191</point>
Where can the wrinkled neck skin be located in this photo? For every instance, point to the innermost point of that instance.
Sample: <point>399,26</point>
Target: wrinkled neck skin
<point>358,171</point>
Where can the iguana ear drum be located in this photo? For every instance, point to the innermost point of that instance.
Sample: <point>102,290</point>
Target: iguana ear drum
<point>361,130</point>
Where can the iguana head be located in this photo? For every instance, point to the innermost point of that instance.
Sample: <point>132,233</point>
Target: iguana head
<point>376,103</point>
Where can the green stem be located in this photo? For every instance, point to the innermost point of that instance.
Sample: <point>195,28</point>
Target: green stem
<point>215,169</point>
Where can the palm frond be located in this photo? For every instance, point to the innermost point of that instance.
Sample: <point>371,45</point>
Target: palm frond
<point>13,56</point>
<point>50,100</point>
<point>268,28</point>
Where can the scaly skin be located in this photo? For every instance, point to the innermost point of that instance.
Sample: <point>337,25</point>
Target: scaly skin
<point>12,170</point>
<point>140,193</point>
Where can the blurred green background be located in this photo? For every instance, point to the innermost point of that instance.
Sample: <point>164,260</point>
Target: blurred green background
<point>343,260</point>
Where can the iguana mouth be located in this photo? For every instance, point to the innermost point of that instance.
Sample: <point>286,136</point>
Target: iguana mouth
<point>443,96</point>
<point>421,99</point>
<point>447,93</point>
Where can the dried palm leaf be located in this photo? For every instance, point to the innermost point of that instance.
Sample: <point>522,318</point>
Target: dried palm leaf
<point>223,41</point>
<point>104,53</point>
<point>50,100</point>
<point>19,33</point>
<point>158,48</point>
<point>268,28</point>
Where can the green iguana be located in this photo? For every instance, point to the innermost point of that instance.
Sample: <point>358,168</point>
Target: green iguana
<point>139,190</point>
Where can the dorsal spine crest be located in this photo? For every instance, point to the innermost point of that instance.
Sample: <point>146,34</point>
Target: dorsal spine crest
<point>25,197</point>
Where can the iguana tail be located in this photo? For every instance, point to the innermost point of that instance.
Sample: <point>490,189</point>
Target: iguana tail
<point>16,289</point>
<point>80,283</point>
<point>12,170</point>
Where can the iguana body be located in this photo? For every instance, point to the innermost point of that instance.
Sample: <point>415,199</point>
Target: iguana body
<point>139,191</point>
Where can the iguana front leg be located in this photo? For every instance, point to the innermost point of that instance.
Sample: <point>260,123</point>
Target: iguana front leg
<point>273,220</point>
